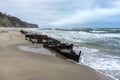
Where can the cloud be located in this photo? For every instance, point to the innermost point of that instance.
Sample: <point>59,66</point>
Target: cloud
<point>63,12</point>
<point>86,16</point>
<point>98,14</point>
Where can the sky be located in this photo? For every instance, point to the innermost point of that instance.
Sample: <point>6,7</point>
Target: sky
<point>65,13</point>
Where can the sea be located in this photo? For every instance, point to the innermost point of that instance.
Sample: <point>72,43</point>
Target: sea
<point>100,46</point>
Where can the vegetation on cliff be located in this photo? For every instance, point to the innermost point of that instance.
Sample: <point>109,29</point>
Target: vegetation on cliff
<point>11,21</point>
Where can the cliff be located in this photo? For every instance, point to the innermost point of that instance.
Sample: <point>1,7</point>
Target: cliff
<point>11,21</point>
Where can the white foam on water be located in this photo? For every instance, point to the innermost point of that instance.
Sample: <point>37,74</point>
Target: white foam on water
<point>98,31</point>
<point>107,75</point>
<point>77,36</point>
<point>97,60</point>
<point>112,35</point>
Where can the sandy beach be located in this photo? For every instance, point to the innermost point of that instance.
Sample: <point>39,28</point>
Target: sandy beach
<point>16,64</point>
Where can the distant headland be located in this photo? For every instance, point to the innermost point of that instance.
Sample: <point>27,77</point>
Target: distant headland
<point>11,21</point>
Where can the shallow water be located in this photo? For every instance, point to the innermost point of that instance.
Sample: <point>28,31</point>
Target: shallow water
<point>100,47</point>
<point>42,51</point>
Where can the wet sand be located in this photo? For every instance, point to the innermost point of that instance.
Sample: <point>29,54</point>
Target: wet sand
<point>16,64</point>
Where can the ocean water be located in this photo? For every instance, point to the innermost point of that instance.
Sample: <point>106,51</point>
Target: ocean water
<point>100,46</point>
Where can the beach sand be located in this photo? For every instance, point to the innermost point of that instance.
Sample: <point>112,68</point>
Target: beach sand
<point>16,64</point>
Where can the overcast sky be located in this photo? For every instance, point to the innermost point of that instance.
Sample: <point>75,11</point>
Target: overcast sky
<point>65,13</point>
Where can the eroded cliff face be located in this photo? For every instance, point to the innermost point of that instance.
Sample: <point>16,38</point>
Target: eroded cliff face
<point>11,21</point>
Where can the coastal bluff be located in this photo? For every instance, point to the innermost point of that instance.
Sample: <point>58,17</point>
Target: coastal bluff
<point>11,21</point>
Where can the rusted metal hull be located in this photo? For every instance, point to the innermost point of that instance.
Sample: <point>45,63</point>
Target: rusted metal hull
<point>64,49</point>
<point>69,55</point>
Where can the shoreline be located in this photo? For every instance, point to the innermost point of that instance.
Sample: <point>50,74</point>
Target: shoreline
<point>97,70</point>
<point>93,69</point>
<point>49,54</point>
<point>28,65</point>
